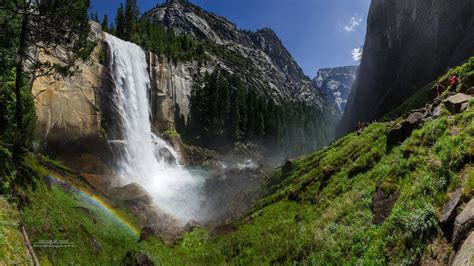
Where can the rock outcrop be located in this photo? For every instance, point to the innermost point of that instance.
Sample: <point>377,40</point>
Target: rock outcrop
<point>448,213</point>
<point>465,256</point>
<point>457,103</point>
<point>336,83</point>
<point>171,84</point>
<point>408,44</point>
<point>403,130</point>
<point>69,110</point>
<point>382,204</point>
<point>132,192</point>
<point>463,225</point>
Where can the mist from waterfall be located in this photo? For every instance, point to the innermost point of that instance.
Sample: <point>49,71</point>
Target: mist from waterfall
<point>173,188</point>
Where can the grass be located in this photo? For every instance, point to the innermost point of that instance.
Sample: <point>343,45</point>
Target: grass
<point>12,248</point>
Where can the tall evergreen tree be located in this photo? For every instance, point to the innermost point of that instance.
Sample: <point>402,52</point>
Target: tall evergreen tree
<point>45,25</point>
<point>120,22</point>
<point>131,17</point>
<point>105,23</point>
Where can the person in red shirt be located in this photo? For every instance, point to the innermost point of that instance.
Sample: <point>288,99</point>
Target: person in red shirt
<point>453,81</point>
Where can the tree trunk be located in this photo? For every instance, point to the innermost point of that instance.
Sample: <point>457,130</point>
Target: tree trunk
<point>17,147</point>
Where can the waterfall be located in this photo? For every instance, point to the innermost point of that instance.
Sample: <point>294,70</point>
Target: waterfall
<point>143,159</point>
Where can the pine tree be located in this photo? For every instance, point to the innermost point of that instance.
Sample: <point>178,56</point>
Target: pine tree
<point>234,130</point>
<point>45,25</point>
<point>120,22</point>
<point>131,17</point>
<point>105,23</point>
<point>94,17</point>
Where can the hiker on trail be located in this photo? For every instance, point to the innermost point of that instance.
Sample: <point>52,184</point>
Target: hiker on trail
<point>439,88</point>
<point>453,82</point>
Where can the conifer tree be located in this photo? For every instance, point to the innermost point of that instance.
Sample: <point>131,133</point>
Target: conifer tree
<point>131,17</point>
<point>120,22</point>
<point>105,23</point>
<point>44,26</point>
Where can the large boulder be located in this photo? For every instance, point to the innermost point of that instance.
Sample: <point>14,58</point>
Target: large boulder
<point>132,192</point>
<point>465,256</point>
<point>101,182</point>
<point>448,213</point>
<point>457,103</point>
<point>403,130</point>
<point>463,224</point>
<point>382,204</point>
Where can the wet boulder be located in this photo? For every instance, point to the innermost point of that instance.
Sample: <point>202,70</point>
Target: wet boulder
<point>457,103</point>
<point>463,225</point>
<point>403,130</point>
<point>167,156</point>
<point>465,256</point>
<point>131,193</point>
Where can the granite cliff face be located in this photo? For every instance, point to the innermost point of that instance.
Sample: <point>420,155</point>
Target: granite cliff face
<point>274,72</point>
<point>336,83</point>
<point>171,85</point>
<point>408,44</point>
<point>69,110</point>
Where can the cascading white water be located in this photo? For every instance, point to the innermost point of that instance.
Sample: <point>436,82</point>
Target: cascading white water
<point>173,188</point>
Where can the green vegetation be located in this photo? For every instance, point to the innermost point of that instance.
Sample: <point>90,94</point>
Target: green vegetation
<point>225,110</point>
<point>171,133</point>
<point>12,250</point>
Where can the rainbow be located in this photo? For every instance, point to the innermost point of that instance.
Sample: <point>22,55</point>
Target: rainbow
<point>100,203</point>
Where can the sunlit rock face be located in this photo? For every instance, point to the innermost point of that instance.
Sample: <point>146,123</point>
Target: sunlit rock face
<point>69,110</point>
<point>408,44</point>
<point>171,85</point>
<point>336,83</point>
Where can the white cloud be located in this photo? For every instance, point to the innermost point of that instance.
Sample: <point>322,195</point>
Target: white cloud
<point>357,54</point>
<point>353,24</point>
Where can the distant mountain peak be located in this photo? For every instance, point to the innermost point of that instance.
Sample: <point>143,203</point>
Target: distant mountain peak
<point>336,83</point>
<point>168,2</point>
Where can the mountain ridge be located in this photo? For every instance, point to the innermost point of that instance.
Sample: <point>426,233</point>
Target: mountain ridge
<point>282,78</point>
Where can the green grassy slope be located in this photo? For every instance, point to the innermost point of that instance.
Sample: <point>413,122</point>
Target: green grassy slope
<point>12,249</point>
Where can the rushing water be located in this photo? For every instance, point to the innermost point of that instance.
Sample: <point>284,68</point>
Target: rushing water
<point>173,188</point>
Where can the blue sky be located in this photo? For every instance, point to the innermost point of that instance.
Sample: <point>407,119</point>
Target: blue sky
<point>318,33</point>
